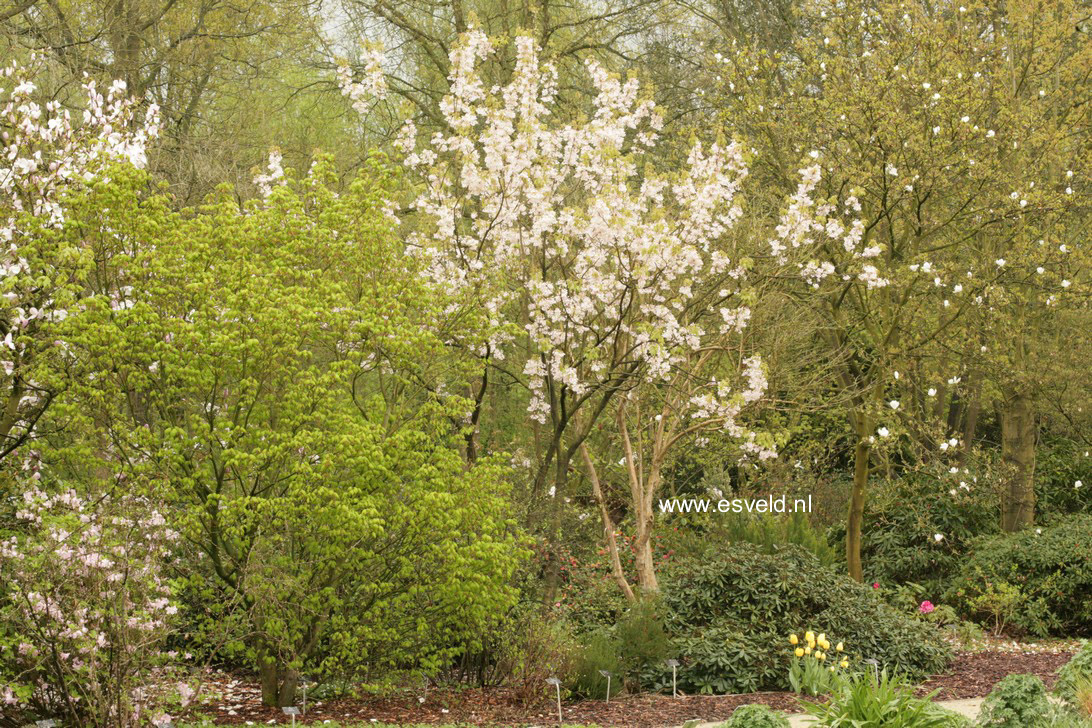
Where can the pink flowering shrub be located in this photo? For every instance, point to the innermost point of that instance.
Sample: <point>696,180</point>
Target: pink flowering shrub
<point>84,606</point>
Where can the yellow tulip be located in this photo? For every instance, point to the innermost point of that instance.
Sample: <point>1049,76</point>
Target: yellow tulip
<point>793,639</point>
<point>824,644</point>
<point>799,652</point>
<point>809,636</point>
<point>844,663</point>
<point>807,650</point>
<point>822,637</point>
<point>839,647</point>
<point>820,656</point>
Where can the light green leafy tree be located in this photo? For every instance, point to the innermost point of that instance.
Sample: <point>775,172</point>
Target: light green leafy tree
<point>268,372</point>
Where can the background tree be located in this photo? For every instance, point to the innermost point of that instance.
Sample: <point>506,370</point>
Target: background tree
<point>915,115</point>
<point>225,76</point>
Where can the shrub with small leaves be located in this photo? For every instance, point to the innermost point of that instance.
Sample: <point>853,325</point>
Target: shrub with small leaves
<point>1048,571</point>
<point>731,612</point>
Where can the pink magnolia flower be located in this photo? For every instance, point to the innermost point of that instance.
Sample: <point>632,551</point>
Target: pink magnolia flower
<point>926,607</point>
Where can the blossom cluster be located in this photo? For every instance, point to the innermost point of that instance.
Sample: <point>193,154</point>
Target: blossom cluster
<point>818,647</point>
<point>598,269</point>
<point>46,155</point>
<point>805,223</point>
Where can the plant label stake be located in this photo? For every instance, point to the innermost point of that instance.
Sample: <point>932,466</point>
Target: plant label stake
<point>47,723</point>
<point>606,674</point>
<point>304,682</point>
<point>557,685</point>
<point>292,712</point>
<point>674,665</point>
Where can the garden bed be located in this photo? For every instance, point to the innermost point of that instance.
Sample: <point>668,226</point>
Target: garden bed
<point>972,675</point>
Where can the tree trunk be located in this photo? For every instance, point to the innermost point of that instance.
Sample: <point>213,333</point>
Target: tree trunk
<point>1019,432</point>
<point>267,674</point>
<point>278,683</point>
<point>970,422</point>
<point>608,527</point>
<point>642,489</point>
<point>554,535</point>
<point>855,521</point>
<point>645,562</point>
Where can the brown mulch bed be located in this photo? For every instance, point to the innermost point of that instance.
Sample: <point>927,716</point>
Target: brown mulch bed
<point>971,675</point>
<point>492,707</point>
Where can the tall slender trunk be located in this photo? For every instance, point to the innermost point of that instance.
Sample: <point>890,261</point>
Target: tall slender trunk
<point>855,521</point>
<point>1019,432</point>
<point>970,421</point>
<point>643,484</point>
<point>608,527</point>
<point>644,559</point>
<point>554,535</point>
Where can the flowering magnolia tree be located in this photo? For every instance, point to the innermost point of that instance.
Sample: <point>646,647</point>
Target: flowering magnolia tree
<point>954,133</point>
<point>46,159</point>
<point>85,606</point>
<point>598,277</point>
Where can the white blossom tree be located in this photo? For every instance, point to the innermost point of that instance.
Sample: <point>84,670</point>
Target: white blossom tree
<point>596,275</point>
<point>46,158</point>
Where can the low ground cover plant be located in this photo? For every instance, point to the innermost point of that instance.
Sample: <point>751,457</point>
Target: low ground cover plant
<point>756,716</point>
<point>1074,678</point>
<point>880,700</point>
